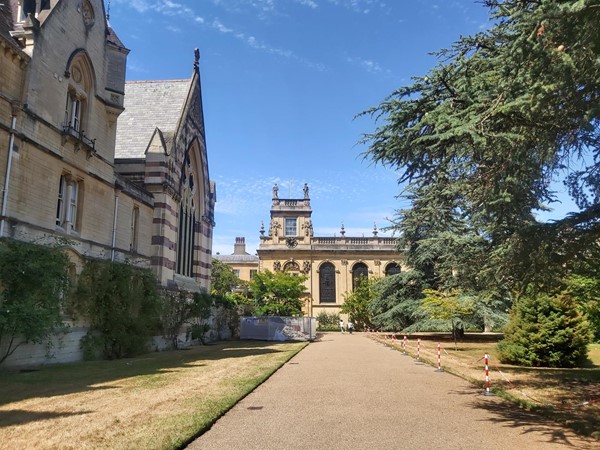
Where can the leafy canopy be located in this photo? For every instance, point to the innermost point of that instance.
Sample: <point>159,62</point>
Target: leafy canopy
<point>223,280</point>
<point>277,294</point>
<point>356,303</point>
<point>482,136</point>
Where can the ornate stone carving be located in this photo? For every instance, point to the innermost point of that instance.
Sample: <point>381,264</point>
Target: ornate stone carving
<point>306,266</point>
<point>274,228</point>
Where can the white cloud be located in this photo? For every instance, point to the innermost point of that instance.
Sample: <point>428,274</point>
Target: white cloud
<point>366,64</point>
<point>359,6</point>
<point>257,44</point>
<point>310,3</point>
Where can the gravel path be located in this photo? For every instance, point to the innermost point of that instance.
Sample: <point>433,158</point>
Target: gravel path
<point>348,392</point>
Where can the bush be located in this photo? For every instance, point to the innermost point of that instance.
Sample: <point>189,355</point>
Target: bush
<point>328,321</point>
<point>545,331</point>
<point>179,308</point>
<point>34,280</point>
<point>122,306</point>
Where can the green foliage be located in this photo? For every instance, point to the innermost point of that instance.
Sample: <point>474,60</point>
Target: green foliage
<point>395,305</point>
<point>222,278</point>
<point>479,140</point>
<point>585,289</point>
<point>277,294</point>
<point>122,305</point>
<point>34,280</point>
<point>546,331</point>
<point>328,321</point>
<point>448,306</point>
<point>180,308</point>
<point>356,303</point>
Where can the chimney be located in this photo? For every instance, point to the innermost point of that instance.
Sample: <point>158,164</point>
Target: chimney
<point>240,246</point>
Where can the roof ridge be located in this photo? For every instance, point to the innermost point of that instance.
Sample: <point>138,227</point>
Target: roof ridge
<point>157,81</point>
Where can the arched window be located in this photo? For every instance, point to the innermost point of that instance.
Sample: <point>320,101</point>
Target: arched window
<point>327,283</point>
<point>359,270</point>
<point>186,230</point>
<point>392,269</point>
<point>79,95</point>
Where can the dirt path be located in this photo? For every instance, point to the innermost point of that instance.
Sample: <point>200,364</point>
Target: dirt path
<point>348,392</point>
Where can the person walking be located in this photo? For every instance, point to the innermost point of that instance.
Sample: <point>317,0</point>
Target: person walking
<point>342,326</point>
<point>350,326</point>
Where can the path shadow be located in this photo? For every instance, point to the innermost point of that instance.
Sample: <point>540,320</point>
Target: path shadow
<point>509,415</point>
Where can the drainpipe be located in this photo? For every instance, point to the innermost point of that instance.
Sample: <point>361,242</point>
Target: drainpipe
<point>114,230</point>
<point>11,143</point>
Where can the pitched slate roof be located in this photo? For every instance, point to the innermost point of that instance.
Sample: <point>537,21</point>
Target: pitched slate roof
<point>113,38</point>
<point>148,105</point>
<point>237,258</point>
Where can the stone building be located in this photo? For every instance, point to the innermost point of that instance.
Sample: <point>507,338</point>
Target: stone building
<point>244,264</point>
<point>161,147</point>
<point>331,264</point>
<point>70,163</point>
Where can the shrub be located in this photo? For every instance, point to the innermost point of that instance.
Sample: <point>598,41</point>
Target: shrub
<point>179,308</point>
<point>546,331</point>
<point>122,306</point>
<point>34,282</point>
<point>328,321</point>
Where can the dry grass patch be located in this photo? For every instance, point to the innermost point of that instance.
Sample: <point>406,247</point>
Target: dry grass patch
<point>571,396</point>
<point>159,401</point>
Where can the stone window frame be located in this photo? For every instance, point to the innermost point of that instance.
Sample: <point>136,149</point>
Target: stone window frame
<point>135,229</point>
<point>190,210</point>
<point>359,269</point>
<point>391,266</point>
<point>69,201</point>
<point>327,268</point>
<point>290,226</point>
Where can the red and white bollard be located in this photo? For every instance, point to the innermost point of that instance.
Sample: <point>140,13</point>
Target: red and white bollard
<point>404,343</point>
<point>487,375</point>
<point>439,367</point>
<point>418,359</point>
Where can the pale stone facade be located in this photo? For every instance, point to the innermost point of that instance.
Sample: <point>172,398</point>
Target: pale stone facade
<point>67,168</point>
<point>244,265</point>
<point>331,264</point>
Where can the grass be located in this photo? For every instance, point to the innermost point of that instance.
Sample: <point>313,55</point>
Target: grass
<point>157,401</point>
<point>570,396</point>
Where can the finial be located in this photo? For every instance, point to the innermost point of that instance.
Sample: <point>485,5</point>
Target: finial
<point>343,231</point>
<point>375,229</point>
<point>108,11</point>
<point>262,228</point>
<point>196,58</point>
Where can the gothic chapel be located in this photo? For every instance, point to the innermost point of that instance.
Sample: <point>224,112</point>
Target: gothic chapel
<point>120,169</point>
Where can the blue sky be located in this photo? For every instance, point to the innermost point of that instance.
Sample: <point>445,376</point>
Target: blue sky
<point>282,83</point>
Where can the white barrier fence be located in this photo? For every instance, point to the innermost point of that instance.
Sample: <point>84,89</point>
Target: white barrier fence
<point>276,328</point>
